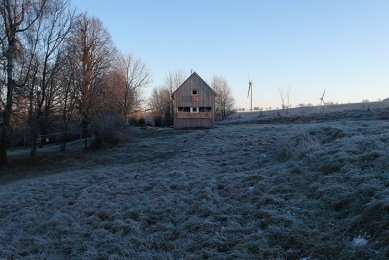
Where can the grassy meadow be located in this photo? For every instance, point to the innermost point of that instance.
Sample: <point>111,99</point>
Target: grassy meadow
<point>312,186</point>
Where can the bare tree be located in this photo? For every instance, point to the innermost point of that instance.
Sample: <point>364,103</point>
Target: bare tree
<point>93,55</point>
<point>224,99</point>
<point>68,97</point>
<point>133,77</point>
<point>173,80</point>
<point>159,101</point>
<point>51,30</point>
<point>17,16</point>
<point>285,98</point>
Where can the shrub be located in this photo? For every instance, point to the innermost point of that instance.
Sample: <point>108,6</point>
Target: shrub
<point>142,121</point>
<point>132,121</point>
<point>109,130</point>
<point>158,121</point>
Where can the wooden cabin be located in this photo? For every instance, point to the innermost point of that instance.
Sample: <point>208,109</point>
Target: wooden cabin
<point>194,104</point>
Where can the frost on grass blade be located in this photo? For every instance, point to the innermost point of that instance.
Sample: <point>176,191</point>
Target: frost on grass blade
<point>359,241</point>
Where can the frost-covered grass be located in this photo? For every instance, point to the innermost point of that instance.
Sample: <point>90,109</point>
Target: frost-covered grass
<point>312,187</point>
<point>300,111</point>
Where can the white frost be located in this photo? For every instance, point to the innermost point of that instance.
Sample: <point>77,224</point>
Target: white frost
<point>359,241</point>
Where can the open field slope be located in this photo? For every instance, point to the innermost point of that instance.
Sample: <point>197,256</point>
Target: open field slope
<point>313,187</point>
<point>299,111</point>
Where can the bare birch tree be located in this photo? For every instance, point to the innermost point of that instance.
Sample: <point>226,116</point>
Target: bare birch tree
<point>134,76</point>
<point>158,101</point>
<point>285,98</point>
<point>173,80</point>
<point>224,102</point>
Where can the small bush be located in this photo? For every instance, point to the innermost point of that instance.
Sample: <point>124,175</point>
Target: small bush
<point>158,121</point>
<point>109,130</point>
<point>132,121</point>
<point>141,121</point>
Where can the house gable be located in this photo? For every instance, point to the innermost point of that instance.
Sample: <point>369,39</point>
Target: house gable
<point>194,104</point>
<point>192,77</point>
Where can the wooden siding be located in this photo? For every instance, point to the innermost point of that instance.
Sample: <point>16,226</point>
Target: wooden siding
<point>193,123</point>
<point>195,115</point>
<point>184,97</point>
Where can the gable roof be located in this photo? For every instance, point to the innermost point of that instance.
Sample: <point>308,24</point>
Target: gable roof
<point>194,74</point>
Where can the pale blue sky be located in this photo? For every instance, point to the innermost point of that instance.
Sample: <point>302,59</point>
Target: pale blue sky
<point>341,46</point>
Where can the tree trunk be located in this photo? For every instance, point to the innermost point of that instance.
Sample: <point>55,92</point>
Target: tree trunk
<point>6,129</point>
<point>3,147</point>
<point>86,138</point>
<point>63,139</point>
<point>85,132</point>
<point>4,138</point>
<point>34,147</point>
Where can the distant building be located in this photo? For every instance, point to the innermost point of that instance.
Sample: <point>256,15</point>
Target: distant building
<point>194,104</point>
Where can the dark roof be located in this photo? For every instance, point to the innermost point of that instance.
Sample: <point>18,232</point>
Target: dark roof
<point>194,74</point>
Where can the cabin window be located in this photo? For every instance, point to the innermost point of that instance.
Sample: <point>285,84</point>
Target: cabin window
<point>194,109</point>
<point>205,109</point>
<point>183,109</point>
<point>194,92</point>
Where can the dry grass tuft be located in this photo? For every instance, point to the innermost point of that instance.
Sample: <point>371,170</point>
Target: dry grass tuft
<point>304,144</point>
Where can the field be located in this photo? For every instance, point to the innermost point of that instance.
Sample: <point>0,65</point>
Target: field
<point>307,186</point>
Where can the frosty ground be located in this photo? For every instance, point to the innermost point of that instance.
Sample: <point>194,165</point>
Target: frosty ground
<point>312,186</point>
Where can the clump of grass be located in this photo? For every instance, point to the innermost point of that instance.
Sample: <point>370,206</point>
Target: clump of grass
<point>302,145</point>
